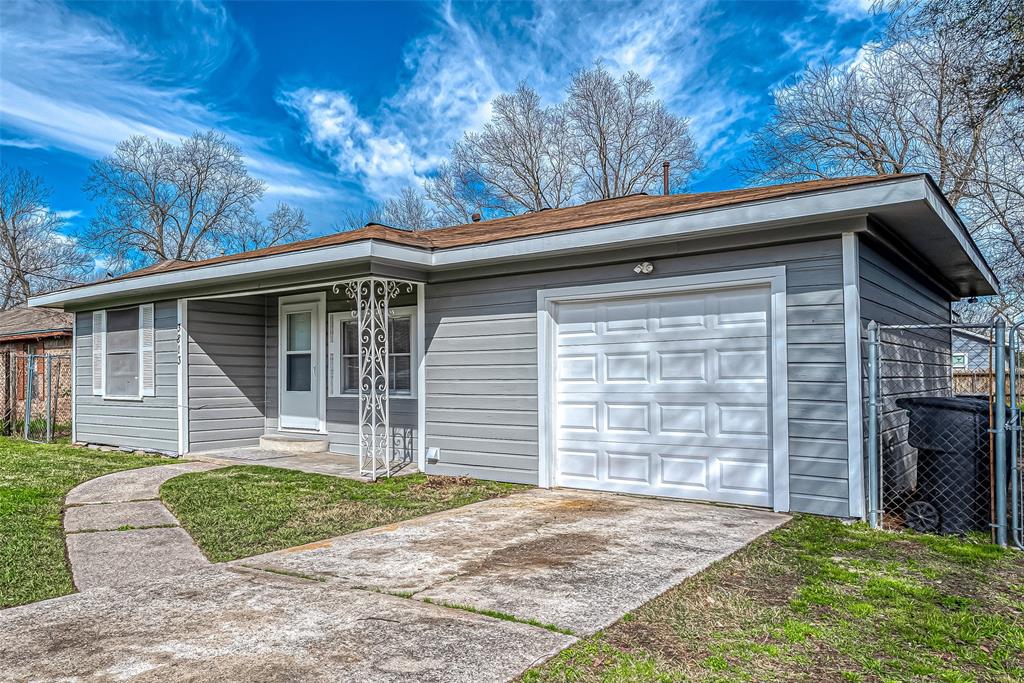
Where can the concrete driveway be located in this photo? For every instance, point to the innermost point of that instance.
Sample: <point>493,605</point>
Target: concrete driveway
<point>388,604</point>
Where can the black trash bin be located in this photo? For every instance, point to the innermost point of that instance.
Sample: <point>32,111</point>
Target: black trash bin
<point>954,486</point>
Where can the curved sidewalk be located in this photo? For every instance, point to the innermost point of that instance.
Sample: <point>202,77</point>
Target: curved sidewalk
<point>119,533</point>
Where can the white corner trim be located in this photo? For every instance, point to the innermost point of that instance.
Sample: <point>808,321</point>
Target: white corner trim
<point>774,277</point>
<point>74,377</point>
<point>421,378</point>
<point>183,402</point>
<point>854,398</point>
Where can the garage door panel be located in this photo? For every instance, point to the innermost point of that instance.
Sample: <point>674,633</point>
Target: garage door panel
<point>666,395</point>
<point>705,337</point>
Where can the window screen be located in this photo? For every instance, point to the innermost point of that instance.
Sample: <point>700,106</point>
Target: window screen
<point>399,355</point>
<point>122,352</point>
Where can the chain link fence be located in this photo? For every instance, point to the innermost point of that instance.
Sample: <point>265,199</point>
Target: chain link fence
<point>35,395</point>
<point>943,450</point>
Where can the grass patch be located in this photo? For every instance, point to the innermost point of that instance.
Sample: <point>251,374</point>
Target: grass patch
<point>34,478</point>
<point>495,614</point>
<point>820,600</point>
<point>247,510</point>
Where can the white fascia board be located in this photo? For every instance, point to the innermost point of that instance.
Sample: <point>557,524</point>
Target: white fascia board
<point>843,201</point>
<point>939,205</point>
<point>353,252</point>
<point>802,208</point>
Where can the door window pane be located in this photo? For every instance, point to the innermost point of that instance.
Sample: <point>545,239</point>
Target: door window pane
<point>299,331</point>
<point>300,374</point>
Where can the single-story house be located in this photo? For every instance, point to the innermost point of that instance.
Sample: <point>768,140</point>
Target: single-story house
<point>700,346</point>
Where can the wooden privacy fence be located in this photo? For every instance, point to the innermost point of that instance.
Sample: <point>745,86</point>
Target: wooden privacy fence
<point>981,383</point>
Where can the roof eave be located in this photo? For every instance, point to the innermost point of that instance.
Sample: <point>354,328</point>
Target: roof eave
<point>825,204</point>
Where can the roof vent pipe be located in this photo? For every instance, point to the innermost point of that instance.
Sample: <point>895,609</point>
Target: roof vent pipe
<point>476,217</point>
<point>664,177</point>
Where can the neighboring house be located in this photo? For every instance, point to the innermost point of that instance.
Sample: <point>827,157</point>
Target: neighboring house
<point>35,330</point>
<point>703,346</point>
<point>27,332</point>
<point>971,351</point>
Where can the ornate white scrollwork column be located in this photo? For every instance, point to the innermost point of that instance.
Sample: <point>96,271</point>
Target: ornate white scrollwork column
<point>371,297</point>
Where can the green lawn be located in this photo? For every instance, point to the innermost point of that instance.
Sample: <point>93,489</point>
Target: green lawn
<point>247,510</point>
<point>34,479</point>
<point>821,601</point>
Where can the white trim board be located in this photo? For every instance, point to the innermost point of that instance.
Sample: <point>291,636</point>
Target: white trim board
<point>854,399</point>
<point>74,377</point>
<point>822,205</point>
<point>774,277</point>
<point>183,399</point>
<point>421,385</point>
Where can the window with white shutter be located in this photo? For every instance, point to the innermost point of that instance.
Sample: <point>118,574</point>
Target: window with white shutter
<point>146,350</point>
<point>99,337</point>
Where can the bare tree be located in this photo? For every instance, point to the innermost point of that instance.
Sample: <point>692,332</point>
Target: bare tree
<point>917,104</point>
<point>284,224</point>
<point>608,139</point>
<point>995,28</point>
<point>35,256</point>
<point>410,210</point>
<point>621,135</point>
<point>187,201</point>
<point>457,191</point>
<point>521,155</point>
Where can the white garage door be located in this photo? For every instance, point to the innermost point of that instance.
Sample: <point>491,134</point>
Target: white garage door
<point>666,395</point>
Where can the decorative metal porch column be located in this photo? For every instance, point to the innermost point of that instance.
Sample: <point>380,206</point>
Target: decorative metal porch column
<point>371,297</point>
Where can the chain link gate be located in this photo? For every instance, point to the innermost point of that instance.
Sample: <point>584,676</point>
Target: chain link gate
<point>944,439</point>
<point>35,395</point>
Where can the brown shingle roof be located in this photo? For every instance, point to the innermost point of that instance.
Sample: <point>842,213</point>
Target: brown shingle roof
<point>591,214</point>
<point>28,321</point>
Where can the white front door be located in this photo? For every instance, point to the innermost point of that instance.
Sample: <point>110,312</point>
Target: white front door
<point>666,395</point>
<point>299,339</point>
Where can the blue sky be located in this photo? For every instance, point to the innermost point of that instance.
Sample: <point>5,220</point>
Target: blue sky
<point>337,104</point>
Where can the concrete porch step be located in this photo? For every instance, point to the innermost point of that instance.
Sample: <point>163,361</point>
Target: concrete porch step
<point>294,443</point>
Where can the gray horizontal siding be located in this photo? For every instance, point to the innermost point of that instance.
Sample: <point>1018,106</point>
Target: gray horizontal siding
<point>226,373</point>
<point>149,424</point>
<point>482,364</point>
<point>913,363</point>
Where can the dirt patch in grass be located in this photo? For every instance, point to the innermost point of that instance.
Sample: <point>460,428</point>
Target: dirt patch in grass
<point>242,511</point>
<point>818,600</point>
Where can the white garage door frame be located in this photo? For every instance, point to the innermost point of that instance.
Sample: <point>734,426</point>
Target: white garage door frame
<point>547,332</point>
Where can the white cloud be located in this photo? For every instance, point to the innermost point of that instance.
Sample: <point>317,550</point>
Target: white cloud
<point>21,143</point>
<point>849,10</point>
<point>69,214</point>
<point>455,70</point>
<point>94,84</point>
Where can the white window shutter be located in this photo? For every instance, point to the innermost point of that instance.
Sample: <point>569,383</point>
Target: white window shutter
<point>99,348</point>
<point>147,359</point>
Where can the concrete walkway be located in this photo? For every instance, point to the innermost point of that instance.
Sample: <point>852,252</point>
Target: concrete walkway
<point>119,533</point>
<point>395,603</point>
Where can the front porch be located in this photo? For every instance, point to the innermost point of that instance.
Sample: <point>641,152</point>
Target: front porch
<point>323,462</point>
<point>332,369</point>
